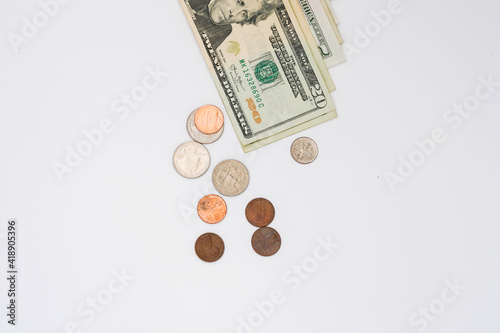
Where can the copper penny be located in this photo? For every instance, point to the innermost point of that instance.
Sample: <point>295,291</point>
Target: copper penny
<point>260,212</point>
<point>209,247</point>
<point>212,209</point>
<point>209,119</point>
<point>266,241</point>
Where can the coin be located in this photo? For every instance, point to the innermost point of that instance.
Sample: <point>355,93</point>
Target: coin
<point>209,119</point>
<point>191,159</point>
<point>304,150</point>
<point>199,136</point>
<point>212,209</point>
<point>260,212</point>
<point>230,177</point>
<point>266,241</point>
<point>209,247</point>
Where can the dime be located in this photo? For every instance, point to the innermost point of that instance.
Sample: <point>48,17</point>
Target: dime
<point>209,247</point>
<point>230,177</point>
<point>304,150</point>
<point>260,212</point>
<point>199,136</point>
<point>191,159</point>
<point>266,241</point>
<point>209,119</point>
<point>212,209</point>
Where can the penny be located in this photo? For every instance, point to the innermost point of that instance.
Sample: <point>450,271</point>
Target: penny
<point>191,159</point>
<point>212,209</point>
<point>209,247</point>
<point>266,241</point>
<point>260,212</point>
<point>199,136</point>
<point>230,178</point>
<point>209,119</point>
<point>304,150</point>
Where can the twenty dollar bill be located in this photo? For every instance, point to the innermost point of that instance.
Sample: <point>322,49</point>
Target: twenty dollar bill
<point>322,29</point>
<point>263,68</point>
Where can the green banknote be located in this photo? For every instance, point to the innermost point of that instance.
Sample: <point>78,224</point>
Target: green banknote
<point>271,83</point>
<point>323,31</point>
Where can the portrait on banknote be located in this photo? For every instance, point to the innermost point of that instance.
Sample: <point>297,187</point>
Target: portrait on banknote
<point>262,66</point>
<point>216,17</point>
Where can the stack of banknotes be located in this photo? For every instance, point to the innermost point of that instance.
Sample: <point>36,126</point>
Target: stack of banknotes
<point>269,60</point>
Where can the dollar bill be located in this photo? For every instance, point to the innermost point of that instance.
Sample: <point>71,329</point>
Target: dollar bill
<point>330,9</point>
<point>333,19</point>
<point>322,30</point>
<point>263,68</point>
<point>313,46</point>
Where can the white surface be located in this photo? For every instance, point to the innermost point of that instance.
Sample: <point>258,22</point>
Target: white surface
<point>125,207</point>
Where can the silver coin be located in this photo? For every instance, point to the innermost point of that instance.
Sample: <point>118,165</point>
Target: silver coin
<point>304,150</point>
<point>191,159</point>
<point>199,136</point>
<point>230,178</point>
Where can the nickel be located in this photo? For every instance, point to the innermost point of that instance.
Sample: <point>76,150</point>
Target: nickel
<point>191,159</point>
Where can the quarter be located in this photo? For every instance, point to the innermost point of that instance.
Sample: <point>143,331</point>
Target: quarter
<point>230,178</point>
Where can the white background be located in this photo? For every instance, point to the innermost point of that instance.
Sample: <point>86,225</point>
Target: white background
<point>125,208</point>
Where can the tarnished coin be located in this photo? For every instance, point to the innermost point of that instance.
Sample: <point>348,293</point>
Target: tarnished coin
<point>266,241</point>
<point>191,159</point>
<point>199,136</point>
<point>209,247</point>
<point>260,212</point>
<point>304,150</point>
<point>209,119</point>
<point>230,177</point>
<point>212,209</point>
